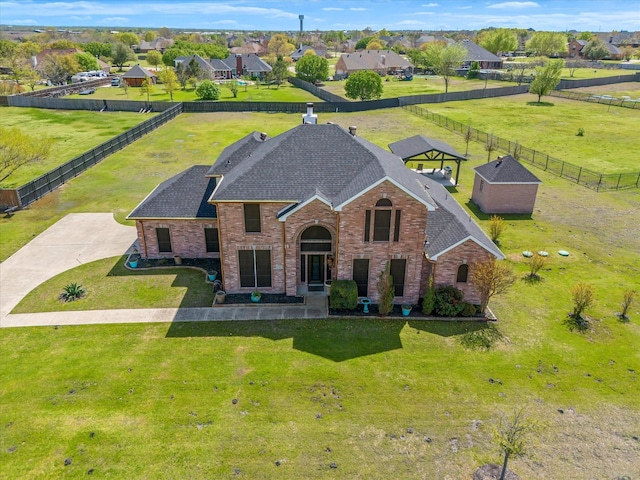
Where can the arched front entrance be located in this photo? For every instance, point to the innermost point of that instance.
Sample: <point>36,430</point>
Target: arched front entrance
<point>316,257</point>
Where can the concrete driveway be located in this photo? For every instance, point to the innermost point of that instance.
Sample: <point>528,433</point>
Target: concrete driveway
<point>76,239</point>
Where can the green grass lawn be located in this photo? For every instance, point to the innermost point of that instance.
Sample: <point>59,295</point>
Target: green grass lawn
<point>73,133</point>
<point>248,93</point>
<point>551,128</point>
<point>420,85</point>
<point>157,400</point>
<point>580,73</point>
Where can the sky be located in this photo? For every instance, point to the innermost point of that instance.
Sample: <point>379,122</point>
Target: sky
<point>282,15</point>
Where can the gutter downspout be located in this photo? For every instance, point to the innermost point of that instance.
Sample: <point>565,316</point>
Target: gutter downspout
<point>284,257</point>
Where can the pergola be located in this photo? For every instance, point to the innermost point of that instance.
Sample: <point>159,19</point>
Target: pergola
<point>420,149</point>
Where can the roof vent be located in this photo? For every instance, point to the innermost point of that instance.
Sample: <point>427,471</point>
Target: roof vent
<point>263,136</point>
<point>310,117</point>
<point>352,130</point>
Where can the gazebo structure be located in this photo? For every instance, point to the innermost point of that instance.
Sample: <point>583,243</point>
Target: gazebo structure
<point>422,149</point>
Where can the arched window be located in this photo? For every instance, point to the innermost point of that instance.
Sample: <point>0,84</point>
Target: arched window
<point>315,239</point>
<point>382,220</point>
<point>384,202</point>
<point>463,273</point>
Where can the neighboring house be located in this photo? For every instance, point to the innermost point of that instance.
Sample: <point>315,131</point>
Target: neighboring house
<point>505,186</point>
<point>255,48</point>
<point>382,62</point>
<point>316,203</point>
<point>475,53</point>
<point>299,53</point>
<point>249,64</point>
<point>205,66</point>
<point>575,48</point>
<point>160,44</point>
<point>38,60</point>
<point>136,75</point>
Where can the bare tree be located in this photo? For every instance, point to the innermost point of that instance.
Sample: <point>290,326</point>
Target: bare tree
<point>627,300</point>
<point>18,149</point>
<point>490,145</point>
<point>468,135</point>
<point>511,435</point>
<point>491,278</point>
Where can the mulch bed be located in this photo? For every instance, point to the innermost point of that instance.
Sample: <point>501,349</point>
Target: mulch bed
<point>270,298</point>
<point>416,312</point>
<point>206,264</point>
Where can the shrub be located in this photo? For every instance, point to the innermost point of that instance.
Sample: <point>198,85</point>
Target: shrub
<point>207,90</point>
<point>386,291</point>
<point>580,132</point>
<point>482,339</point>
<point>343,295</point>
<point>496,227</point>
<point>448,301</point>
<point>72,292</point>
<point>627,300</point>
<point>582,295</point>
<point>468,310</point>
<point>428,301</point>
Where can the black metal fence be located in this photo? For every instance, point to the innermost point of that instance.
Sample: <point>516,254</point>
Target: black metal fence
<point>51,180</point>
<point>596,82</point>
<point>577,174</point>
<point>594,98</point>
<point>68,89</point>
<point>316,91</point>
<point>88,104</point>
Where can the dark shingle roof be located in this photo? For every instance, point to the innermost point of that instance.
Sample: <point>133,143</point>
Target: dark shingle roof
<point>184,195</point>
<point>374,60</point>
<point>506,170</point>
<point>419,144</point>
<point>202,63</point>
<point>296,165</point>
<point>475,53</point>
<point>450,224</point>
<point>250,62</point>
<point>138,72</point>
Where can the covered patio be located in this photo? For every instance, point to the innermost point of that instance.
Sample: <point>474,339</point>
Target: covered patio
<point>423,149</point>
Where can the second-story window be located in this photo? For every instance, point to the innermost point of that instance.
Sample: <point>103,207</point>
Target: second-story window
<point>252,217</point>
<point>382,220</point>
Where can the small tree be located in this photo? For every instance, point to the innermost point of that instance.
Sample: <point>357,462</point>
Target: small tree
<point>146,88</point>
<point>385,291</point>
<point>595,50</point>
<point>511,436</point>
<point>468,135</point>
<point>491,278</point>
<point>169,81</point>
<point>365,85</point>
<point>121,54</point>
<point>444,59</point>
<point>312,68</point>
<point>583,296</point>
<point>497,226</point>
<point>627,300</point>
<point>517,151</point>
<point>207,90</point>
<point>535,264</point>
<point>490,145</point>
<point>18,149</point>
<point>125,86</point>
<point>279,70</point>
<point>546,78</point>
<point>154,58</point>
<point>183,75</point>
<point>233,86</point>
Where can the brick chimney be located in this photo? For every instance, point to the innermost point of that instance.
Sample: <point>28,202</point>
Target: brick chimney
<point>239,65</point>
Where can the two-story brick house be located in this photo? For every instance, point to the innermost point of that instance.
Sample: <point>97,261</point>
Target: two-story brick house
<point>318,202</point>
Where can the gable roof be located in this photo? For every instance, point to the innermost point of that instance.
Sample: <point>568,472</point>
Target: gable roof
<point>419,144</point>
<point>299,53</point>
<point>202,63</point>
<point>138,72</point>
<point>450,225</point>
<point>506,170</point>
<point>184,195</point>
<point>475,53</point>
<point>159,43</point>
<point>374,60</point>
<point>250,62</point>
<point>308,160</point>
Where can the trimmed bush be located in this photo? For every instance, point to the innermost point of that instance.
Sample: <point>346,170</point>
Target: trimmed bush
<point>448,301</point>
<point>468,310</point>
<point>428,301</point>
<point>343,295</point>
<point>207,90</point>
<point>386,292</point>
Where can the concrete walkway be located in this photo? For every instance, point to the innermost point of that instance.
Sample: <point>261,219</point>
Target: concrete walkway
<point>85,237</point>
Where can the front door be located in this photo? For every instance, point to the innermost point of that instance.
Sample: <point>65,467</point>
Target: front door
<point>315,270</point>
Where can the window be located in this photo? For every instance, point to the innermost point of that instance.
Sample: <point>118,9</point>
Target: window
<point>255,268</point>
<point>252,217</point>
<point>481,185</point>
<point>382,220</point>
<point>396,227</point>
<point>164,240</point>
<point>367,225</point>
<point>211,239</point>
<point>315,239</point>
<point>397,270</point>
<point>463,273</point>
<point>361,275</point>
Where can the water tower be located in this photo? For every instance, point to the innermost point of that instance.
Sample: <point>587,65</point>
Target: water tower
<point>301,17</point>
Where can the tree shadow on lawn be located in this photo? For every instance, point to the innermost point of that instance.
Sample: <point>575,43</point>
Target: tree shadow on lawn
<point>198,293</point>
<point>337,340</point>
<point>447,328</point>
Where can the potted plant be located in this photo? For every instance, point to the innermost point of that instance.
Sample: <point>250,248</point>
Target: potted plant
<point>220,296</point>
<point>134,258</point>
<point>256,296</point>
<point>211,275</point>
<point>406,310</point>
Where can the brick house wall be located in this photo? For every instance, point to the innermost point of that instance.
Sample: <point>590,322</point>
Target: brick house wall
<point>233,238</point>
<point>446,268</point>
<point>187,238</point>
<point>504,198</point>
<point>574,49</point>
<point>410,246</point>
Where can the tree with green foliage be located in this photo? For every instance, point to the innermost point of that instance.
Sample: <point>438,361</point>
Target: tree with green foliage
<point>364,84</point>
<point>183,48</point>
<point>546,78</point>
<point>87,61</point>
<point>165,32</point>
<point>233,86</point>
<point>31,77</point>
<point>280,45</point>
<point>499,41</point>
<point>584,36</point>
<point>182,74</point>
<point>18,149</point>
<point>60,68</point>
<point>98,49</point>
<point>146,87</point>
<point>154,58</point>
<point>279,70</point>
<point>121,54</point>
<point>312,69</point>
<point>547,43</point>
<point>386,291</point>
<point>169,81</point>
<point>150,36</point>
<point>491,278</point>
<point>128,38</point>
<point>62,44</point>
<point>207,90</point>
<point>193,70</point>
<point>444,59</point>
<point>429,298</point>
<point>362,43</point>
<point>375,44</point>
<point>511,436</point>
<point>474,71</point>
<point>595,50</point>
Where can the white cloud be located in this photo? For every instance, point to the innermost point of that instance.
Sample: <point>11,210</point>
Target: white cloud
<point>428,5</point>
<point>20,22</point>
<point>333,9</point>
<point>514,5</point>
<point>465,8</point>
<point>358,9</point>
<point>423,13</point>
<point>113,21</point>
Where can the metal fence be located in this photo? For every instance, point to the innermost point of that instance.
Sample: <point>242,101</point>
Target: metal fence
<point>595,82</point>
<point>51,180</point>
<point>577,174</point>
<point>68,89</point>
<point>593,98</point>
<point>97,105</point>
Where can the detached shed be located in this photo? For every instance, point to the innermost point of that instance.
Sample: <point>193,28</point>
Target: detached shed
<point>136,75</point>
<point>505,186</point>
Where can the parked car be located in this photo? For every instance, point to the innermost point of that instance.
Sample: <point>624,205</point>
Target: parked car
<point>115,82</point>
<point>87,91</point>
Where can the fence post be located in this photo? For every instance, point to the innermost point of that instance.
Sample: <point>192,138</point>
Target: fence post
<point>638,180</point>
<point>618,184</point>
<point>579,173</point>
<point>561,168</point>
<point>599,183</point>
